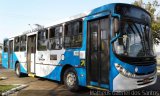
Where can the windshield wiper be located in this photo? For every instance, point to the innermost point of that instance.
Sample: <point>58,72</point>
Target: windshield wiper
<point>147,36</point>
<point>142,39</point>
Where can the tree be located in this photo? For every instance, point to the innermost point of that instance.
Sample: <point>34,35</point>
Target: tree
<point>156,32</point>
<point>138,3</point>
<point>151,8</point>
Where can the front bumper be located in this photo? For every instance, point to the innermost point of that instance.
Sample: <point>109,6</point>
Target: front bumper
<point>122,83</point>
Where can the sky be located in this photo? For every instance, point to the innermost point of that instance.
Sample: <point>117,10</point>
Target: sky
<point>17,16</point>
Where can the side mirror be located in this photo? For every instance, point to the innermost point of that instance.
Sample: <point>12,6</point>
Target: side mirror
<point>116,24</point>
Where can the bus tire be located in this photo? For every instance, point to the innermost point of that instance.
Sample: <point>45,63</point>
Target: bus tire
<point>18,73</point>
<point>71,80</point>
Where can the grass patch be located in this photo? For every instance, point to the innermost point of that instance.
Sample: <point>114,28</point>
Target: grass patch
<point>4,88</point>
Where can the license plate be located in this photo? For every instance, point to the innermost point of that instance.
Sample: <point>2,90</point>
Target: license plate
<point>146,80</point>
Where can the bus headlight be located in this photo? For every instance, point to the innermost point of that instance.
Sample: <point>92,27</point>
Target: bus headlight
<point>123,71</point>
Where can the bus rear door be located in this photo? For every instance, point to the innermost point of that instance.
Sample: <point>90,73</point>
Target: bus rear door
<point>31,50</point>
<point>10,55</point>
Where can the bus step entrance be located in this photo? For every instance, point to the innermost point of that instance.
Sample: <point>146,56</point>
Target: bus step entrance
<point>31,75</point>
<point>98,88</point>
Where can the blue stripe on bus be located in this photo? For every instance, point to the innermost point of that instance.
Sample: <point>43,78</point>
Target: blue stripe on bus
<point>93,83</point>
<point>12,64</point>
<point>113,71</point>
<point>81,73</point>
<point>104,86</point>
<point>22,69</point>
<point>55,74</point>
<point>109,7</point>
<point>5,60</point>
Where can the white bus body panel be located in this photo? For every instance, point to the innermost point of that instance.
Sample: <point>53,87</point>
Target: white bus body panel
<point>44,66</point>
<point>32,63</point>
<point>22,59</point>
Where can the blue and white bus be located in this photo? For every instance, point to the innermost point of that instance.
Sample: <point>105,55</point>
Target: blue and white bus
<point>109,48</point>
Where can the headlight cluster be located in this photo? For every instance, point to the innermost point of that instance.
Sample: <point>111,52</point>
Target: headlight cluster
<point>123,71</point>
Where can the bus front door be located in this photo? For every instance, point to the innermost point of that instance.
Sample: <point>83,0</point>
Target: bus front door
<point>98,52</point>
<point>10,55</point>
<point>31,50</point>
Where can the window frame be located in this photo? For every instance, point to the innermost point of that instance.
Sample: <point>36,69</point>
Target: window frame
<point>42,40</point>
<point>71,36</point>
<point>54,37</point>
<point>16,45</point>
<point>21,42</point>
<point>5,45</point>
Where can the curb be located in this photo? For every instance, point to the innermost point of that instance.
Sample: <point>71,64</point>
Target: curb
<point>3,78</point>
<point>13,90</point>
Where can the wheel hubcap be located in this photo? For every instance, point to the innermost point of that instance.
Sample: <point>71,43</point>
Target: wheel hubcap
<point>71,78</point>
<point>17,71</point>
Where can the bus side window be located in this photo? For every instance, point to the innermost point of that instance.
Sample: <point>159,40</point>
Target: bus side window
<point>73,34</point>
<point>5,44</point>
<point>23,43</point>
<point>16,44</point>
<point>55,38</point>
<point>42,40</point>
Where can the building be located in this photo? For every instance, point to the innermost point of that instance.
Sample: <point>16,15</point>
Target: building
<point>157,49</point>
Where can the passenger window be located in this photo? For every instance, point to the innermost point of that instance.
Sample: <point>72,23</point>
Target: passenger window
<point>73,34</point>
<point>5,44</point>
<point>16,44</point>
<point>23,43</point>
<point>55,38</point>
<point>94,35</point>
<point>42,40</point>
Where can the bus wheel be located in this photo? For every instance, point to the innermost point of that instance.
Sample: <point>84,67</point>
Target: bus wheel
<point>71,80</point>
<point>18,73</point>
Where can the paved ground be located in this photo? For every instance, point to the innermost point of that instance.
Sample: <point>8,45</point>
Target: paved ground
<point>37,86</point>
<point>43,87</point>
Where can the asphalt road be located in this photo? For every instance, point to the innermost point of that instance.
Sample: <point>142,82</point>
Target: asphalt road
<point>44,87</point>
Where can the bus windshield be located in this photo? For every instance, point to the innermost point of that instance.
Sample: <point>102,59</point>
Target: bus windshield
<point>135,40</point>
